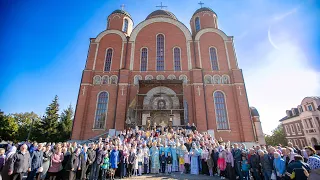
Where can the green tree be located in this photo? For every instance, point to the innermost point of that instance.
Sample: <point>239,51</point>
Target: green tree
<point>65,124</point>
<point>277,137</point>
<point>24,121</point>
<point>8,127</point>
<point>50,121</point>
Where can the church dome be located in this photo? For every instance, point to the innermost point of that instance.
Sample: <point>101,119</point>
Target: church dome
<point>204,9</point>
<point>119,11</point>
<point>161,13</point>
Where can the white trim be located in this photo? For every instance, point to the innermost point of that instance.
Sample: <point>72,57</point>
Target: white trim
<point>183,75</point>
<point>147,58</point>
<point>293,131</point>
<point>164,51</point>
<point>95,57</point>
<point>93,80</point>
<point>134,79</point>
<point>298,129</point>
<point>132,55</point>
<point>214,30</point>
<point>188,56</point>
<point>292,137</point>
<point>121,55</point>
<point>103,33</point>
<point>217,56</point>
<point>222,77</point>
<point>145,23</point>
<point>95,113</point>
<point>226,106</point>
<point>105,58</point>
<point>216,75</point>
<point>211,79</point>
<point>174,59</point>
<point>149,75</point>
<point>199,55</point>
<point>227,53</point>
<point>116,79</point>
<point>235,55</point>
<point>115,16</point>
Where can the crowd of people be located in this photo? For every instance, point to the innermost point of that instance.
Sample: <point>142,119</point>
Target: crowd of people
<point>134,152</point>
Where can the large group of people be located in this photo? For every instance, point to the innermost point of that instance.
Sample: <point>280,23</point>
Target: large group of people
<point>139,151</point>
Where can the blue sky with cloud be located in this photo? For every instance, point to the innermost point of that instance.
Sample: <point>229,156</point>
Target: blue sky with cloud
<point>44,47</point>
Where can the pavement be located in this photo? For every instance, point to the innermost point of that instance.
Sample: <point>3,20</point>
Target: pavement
<point>174,176</point>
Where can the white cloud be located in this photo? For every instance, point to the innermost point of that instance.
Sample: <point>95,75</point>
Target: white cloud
<point>280,80</point>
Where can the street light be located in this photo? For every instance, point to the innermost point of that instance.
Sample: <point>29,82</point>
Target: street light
<point>30,129</point>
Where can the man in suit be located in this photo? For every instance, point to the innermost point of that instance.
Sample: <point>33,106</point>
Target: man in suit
<point>36,162</point>
<point>91,158</point>
<point>20,163</point>
<point>83,162</point>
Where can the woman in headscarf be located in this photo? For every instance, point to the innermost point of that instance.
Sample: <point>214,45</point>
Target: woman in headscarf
<point>279,165</point>
<point>9,155</point>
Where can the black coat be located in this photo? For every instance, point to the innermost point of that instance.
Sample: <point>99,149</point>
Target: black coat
<point>91,156</point>
<point>73,163</point>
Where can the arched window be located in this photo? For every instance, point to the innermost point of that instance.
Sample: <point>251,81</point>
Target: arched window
<point>144,59</point>
<point>221,111</point>
<point>197,23</point>
<point>105,79</point>
<point>101,112</point>
<point>107,66</point>
<point>160,52</point>
<point>208,79</point>
<point>213,59</point>
<point>125,25</point>
<point>176,55</point>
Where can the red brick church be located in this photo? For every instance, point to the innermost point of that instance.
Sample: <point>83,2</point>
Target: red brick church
<point>160,72</point>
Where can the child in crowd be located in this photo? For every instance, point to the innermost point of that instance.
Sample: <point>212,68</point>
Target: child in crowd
<point>169,163</point>
<point>222,164</point>
<point>140,161</point>
<point>163,162</point>
<point>245,168</point>
<point>105,166</point>
<point>135,165</point>
<point>187,162</point>
<point>181,163</point>
<point>146,162</point>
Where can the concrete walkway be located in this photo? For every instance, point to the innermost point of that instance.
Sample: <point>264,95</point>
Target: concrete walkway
<point>174,176</point>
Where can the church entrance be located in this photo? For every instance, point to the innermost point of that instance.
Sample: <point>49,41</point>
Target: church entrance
<point>158,102</point>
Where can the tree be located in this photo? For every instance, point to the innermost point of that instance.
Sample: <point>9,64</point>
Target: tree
<point>65,124</point>
<point>50,121</point>
<point>24,121</point>
<point>8,127</point>
<point>278,137</point>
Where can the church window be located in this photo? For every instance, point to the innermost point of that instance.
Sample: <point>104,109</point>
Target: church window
<point>160,52</point>
<point>197,23</point>
<point>97,79</point>
<point>208,79</point>
<point>213,59</point>
<point>221,111</point>
<point>216,79</point>
<point>225,79</point>
<point>101,111</point>
<point>125,25</point>
<point>171,77</point>
<point>105,80</point>
<point>114,79</point>
<point>107,65</point>
<point>176,54</point>
<point>183,78</point>
<point>160,77</point>
<point>144,59</point>
<point>148,77</point>
<point>136,79</point>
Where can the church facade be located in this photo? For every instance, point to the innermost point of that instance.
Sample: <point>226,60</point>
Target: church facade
<point>160,72</point>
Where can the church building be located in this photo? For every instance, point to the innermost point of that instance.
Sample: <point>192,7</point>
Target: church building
<point>161,72</point>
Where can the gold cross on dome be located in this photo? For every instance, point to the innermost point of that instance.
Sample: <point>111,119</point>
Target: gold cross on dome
<point>122,6</point>
<point>201,3</point>
<point>161,6</point>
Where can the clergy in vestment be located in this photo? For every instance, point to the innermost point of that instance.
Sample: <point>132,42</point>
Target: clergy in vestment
<point>194,152</point>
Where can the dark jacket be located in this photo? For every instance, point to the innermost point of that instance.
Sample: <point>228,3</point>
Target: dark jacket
<point>254,161</point>
<point>73,163</point>
<point>36,159</point>
<point>266,163</point>
<point>163,159</point>
<point>83,161</point>
<point>237,155</point>
<point>99,157</point>
<point>91,156</point>
<point>20,163</point>
<point>296,167</point>
<point>132,157</point>
<point>169,160</point>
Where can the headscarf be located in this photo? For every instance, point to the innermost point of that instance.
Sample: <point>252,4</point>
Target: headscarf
<point>279,163</point>
<point>11,151</point>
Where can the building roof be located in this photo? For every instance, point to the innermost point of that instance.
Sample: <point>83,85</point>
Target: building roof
<point>286,117</point>
<point>254,111</point>
<point>203,9</point>
<point>122,12</point>
<point>161,13</point>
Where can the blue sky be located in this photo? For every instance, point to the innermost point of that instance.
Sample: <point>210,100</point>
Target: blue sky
<point>44,46</point>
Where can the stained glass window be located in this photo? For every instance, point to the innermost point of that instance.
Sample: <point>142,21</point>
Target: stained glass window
<point>125,25</point>
<point>176,54</point>
<point>197,22</point>
<point>107,66</point>
<point>221,111</point>
<point>101,112</point>
<point>160,52</point>
<point>213,59</point>
<point>144,59</point>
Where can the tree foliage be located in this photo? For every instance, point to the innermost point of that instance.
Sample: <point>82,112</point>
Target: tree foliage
<point>277,137</point>
<point>65,124</point>
<point>24,121</point>
<point>8,127</point>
